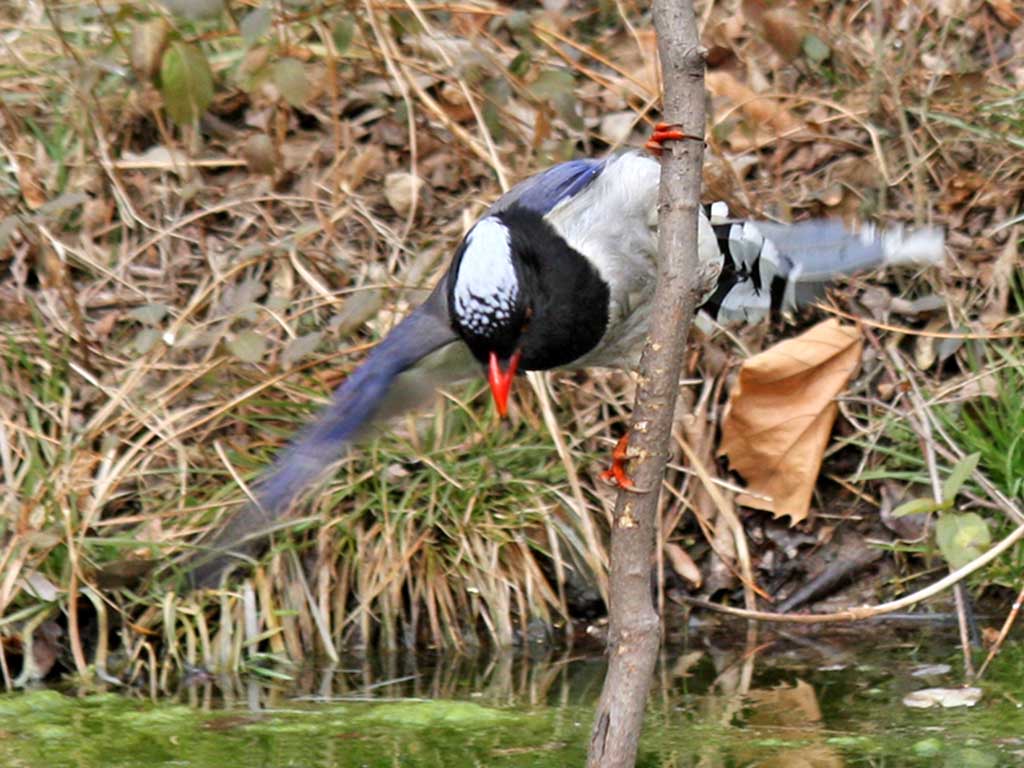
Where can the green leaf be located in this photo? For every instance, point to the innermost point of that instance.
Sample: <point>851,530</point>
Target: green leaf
<point>958,476</point>
<point>149,314</point>
<point>552,83</point>
<point>816,49</point>
<point>242,297</point>
<point>519,21</point>
<point>300,347</point>
<point>289,77</point>
<point>498,90</point>
<point>520,64</point>
<point>494,121</point>
<point>255,24</point>
<point>343,33</point>
<point>186,82</point>
<point>248,346</point>
<point>920,506</point>
<point>145,340</point>
<point>260,154</point>
<point>961,537</point>
<point>565,108</point>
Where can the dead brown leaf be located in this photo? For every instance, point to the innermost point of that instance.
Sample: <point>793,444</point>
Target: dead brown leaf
<point>1007,14</point>
<point>367,163</point>
<point>402,190</point>
<point>784,29</point>
<point>796,715</point>
<point>909,528</point>
<point>12,307</point>
<point>1000,288</point>
<point>961,187</point>
<point>683,564</point>
<point>32,191</point>
<point>760,110</point>
<point>781,413</point>
<point>46,647</point>
<point>794,706</point>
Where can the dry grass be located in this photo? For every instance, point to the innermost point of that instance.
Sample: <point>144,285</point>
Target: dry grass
<point>176,300</point>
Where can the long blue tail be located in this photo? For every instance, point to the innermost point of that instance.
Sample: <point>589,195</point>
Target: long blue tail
<point>769,267</point>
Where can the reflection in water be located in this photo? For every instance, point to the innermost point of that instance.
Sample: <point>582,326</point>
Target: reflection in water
<point>721,699</point>
<point>769,699</point>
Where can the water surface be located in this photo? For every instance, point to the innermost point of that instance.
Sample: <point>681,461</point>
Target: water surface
<point>769,699</point>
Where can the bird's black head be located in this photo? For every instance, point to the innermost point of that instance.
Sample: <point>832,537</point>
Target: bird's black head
<point>521,297</point>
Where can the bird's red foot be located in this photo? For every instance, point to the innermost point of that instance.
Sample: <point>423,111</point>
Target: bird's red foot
<point>667,132</point>
<point>616,473</point>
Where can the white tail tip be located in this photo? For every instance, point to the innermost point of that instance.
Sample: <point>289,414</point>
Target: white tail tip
<point>918,247</point>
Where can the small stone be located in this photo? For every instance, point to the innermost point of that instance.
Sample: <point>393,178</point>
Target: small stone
<point>945,697</point>
<point>401,189</point>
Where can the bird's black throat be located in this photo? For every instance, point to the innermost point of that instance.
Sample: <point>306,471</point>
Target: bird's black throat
<point>561,308</point>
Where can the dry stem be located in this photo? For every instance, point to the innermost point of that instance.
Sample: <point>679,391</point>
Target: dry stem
<point>634,631</point>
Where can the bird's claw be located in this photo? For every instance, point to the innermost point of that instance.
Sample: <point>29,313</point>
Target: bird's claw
<point>667,132</point>
<point>616,474</point>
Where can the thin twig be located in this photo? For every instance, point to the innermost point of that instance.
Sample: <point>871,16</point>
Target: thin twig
<point>871,611</point>
<point>1007,625</point>
<point>906,331</point>
<point>726,510</point>
<point>928,444</point>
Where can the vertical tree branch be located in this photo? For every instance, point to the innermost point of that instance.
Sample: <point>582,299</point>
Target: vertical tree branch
<point>634,631</point>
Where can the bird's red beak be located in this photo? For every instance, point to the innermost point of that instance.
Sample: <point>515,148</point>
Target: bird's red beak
<point>501,381</point>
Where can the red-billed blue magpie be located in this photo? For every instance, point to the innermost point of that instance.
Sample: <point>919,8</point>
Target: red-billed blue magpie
<point>559,273</point>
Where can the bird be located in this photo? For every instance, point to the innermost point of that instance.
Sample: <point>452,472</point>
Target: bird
<point>559,273</point>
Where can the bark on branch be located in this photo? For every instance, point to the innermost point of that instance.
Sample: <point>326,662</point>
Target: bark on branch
<point>634,623</point>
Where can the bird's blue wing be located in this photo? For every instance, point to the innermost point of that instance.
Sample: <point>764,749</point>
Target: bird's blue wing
<point>352,410</point>
<point>355,403</point>
<point>545,190</point>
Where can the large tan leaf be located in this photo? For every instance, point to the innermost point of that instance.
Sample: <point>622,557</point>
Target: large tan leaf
<point>781,412</point>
